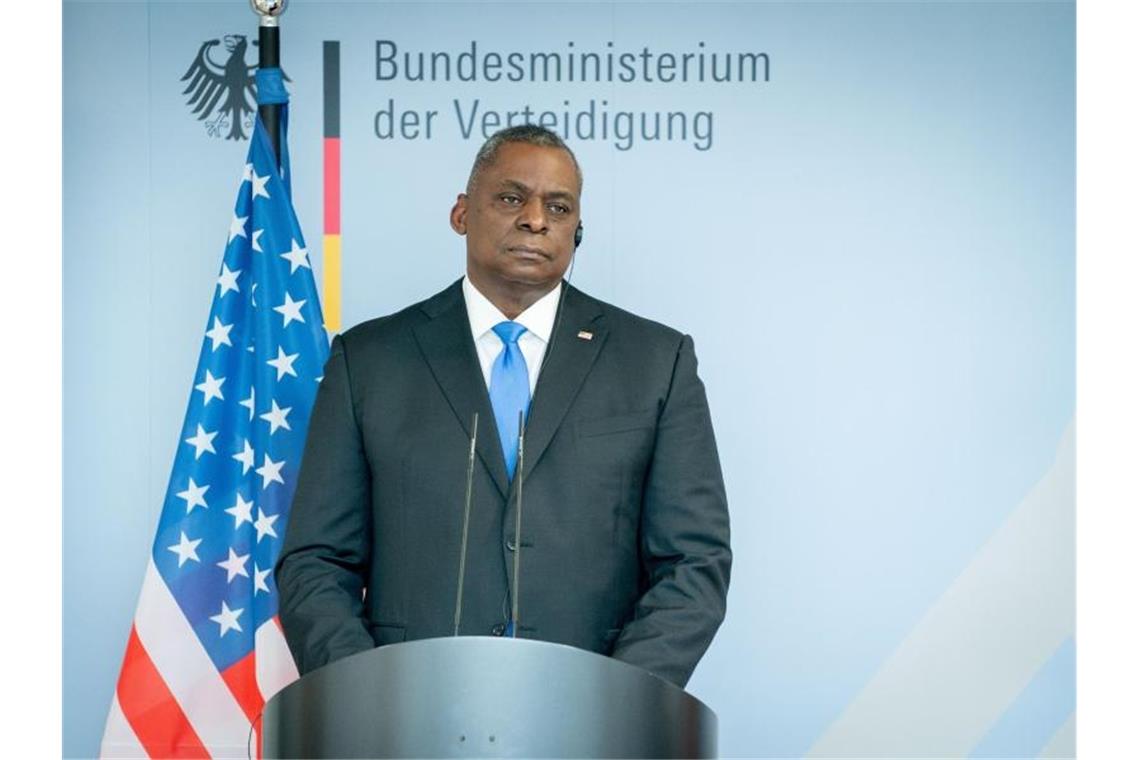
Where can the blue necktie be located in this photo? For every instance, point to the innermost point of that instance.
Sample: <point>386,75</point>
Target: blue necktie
<point>510,391</point>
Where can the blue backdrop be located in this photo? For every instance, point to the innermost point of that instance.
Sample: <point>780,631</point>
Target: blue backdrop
<point>873,249</point>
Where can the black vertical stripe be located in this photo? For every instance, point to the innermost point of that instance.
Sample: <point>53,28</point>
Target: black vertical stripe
<point>332,87</point>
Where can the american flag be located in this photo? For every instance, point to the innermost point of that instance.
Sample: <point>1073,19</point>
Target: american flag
<point>206,648</point>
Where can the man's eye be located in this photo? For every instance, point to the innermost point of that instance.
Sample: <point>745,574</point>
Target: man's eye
<point>558,208</point>
<point>510,198</point>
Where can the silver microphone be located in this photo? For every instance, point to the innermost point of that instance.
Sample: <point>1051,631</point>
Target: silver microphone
<point>466,523</point>
<point>518,528</point>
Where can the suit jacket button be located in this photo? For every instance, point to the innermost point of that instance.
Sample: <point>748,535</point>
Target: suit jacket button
<point>511,544</point>
<point>498,629</point>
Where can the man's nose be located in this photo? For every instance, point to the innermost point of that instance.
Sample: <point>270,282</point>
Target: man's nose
<point>532,216</point>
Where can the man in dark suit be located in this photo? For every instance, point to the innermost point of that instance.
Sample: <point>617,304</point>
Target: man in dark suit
<point>625,536</point>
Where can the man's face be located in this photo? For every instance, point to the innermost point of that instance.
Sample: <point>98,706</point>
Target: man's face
<point>519,220</point>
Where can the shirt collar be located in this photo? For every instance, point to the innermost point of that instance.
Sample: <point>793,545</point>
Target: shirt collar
<point>538,319</point>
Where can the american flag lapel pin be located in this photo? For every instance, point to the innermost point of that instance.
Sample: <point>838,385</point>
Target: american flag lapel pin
<point>585,335</point>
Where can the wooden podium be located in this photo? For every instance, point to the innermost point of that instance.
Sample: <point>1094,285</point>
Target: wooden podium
<point>481,696</point>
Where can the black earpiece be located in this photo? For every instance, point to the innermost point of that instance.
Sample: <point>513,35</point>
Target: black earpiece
<point>578,236</point>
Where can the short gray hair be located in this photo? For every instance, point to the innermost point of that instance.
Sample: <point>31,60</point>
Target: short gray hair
<point>531,134</point>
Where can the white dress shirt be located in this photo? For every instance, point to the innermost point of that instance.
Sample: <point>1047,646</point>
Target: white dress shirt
<point>538,321</point>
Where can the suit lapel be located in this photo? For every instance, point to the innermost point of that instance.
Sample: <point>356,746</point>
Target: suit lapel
<point>445,341</point>
<point>567,363</point>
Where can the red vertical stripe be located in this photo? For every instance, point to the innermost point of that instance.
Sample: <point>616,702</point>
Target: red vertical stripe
<point>241,677</point>
<point>151,710</point>
<point>332,185</point>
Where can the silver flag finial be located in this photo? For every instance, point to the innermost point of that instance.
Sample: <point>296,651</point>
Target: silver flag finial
<point>268,10</point>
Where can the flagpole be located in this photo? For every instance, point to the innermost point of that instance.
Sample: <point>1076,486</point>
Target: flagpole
<point>269,56</point>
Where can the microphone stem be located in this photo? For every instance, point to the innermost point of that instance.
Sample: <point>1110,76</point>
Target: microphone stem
<point>518,530</point>
<point>466,522</point>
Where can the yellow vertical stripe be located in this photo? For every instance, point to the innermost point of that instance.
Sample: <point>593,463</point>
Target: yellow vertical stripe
<point>330,285</point>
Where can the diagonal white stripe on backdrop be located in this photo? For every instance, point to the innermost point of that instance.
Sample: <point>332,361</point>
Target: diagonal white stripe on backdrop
<point>1064,742</point>
<point>978,646</point>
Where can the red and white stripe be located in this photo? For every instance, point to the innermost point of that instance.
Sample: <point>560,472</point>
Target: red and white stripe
<point>172,702</point>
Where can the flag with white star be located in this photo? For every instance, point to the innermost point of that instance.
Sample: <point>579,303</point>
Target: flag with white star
<point>206,649</point>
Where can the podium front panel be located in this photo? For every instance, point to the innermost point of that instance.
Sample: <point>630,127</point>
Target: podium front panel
<point>476,696</point>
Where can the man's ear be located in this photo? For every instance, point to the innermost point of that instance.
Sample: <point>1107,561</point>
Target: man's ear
<point>459,215</point>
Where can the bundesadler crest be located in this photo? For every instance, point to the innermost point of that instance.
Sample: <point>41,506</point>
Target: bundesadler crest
<point>222,95</point>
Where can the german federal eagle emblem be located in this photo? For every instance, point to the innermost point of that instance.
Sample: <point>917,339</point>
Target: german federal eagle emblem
<point>226,87</point>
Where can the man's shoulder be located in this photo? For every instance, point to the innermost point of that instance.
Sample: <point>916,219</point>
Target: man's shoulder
<point>627,326</point>
<point>397,326</point>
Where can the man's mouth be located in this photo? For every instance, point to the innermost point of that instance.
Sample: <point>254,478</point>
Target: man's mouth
<point>527,252</point>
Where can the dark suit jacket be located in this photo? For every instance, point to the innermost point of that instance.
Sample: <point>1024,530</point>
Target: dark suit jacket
<point>625,537</point>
